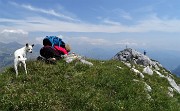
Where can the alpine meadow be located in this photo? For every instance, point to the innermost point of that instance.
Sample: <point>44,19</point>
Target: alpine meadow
<point>106,86</point>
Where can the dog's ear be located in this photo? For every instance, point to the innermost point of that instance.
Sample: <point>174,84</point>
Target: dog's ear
<point>26,44</point>
<point>33,45</point>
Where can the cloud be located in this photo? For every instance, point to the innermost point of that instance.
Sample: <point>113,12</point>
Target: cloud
<point>69,24</point>
<point>45,11</point>
<point>158,24</point>
<point>50,12</point>
<point>131,43</point>
<point>119,14</point>
<point>93,41</point>
<point>39,39</point>
<point>128,43</point>
<point>82,40</point>
<point>10,35</point>
<point>48,25</point>
<point>38,23</point>
<point>124,14</point>
<point>18,31</point>
<point>103,42</point>
<point>127,16</point>
<point>107,21</point>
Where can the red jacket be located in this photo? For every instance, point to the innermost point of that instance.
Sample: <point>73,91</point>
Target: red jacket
<point>61,49</point>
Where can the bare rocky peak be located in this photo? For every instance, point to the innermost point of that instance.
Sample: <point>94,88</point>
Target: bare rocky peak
<point>133,56</point>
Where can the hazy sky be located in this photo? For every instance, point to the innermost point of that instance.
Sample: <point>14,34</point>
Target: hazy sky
<point>151,24</point>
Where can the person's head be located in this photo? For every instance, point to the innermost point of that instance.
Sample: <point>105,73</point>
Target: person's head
<point>67,47</point>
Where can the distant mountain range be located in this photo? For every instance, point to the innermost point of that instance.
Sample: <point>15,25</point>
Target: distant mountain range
<point>168,58</point>
<point>7,53</point>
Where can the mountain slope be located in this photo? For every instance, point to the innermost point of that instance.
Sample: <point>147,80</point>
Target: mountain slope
<point>7,53</point>
<point>107,85</point>
<point>177,71</point>
<point>133,58</point>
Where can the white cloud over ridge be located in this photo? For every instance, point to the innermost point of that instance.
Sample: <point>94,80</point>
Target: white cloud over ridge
<point>10,35</point>
<point>126,43</point>
<point>39,39</point>
<point>19,31</point>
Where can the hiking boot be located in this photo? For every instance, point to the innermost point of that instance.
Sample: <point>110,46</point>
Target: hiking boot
<point>51,60</point>
<point>40,58</point>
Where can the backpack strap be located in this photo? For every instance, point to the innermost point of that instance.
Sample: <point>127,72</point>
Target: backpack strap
<point>50,38</point>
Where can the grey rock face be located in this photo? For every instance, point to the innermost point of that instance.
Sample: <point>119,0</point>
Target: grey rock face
<point>133,56</point>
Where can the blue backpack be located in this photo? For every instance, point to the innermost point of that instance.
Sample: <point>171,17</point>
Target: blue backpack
<point>52,41</point>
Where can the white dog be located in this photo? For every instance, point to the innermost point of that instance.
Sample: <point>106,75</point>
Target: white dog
<point>20,57</point>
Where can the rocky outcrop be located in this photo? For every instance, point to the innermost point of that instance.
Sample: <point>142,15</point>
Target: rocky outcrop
<point>133,59</point>
<point>133,56</point>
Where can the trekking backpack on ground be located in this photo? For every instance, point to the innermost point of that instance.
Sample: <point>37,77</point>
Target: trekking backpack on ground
<point>53,40</point>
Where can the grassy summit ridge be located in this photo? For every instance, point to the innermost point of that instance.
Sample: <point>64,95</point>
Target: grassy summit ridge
<point>108,85</point>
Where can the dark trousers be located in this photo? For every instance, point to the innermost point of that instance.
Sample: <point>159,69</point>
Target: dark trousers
<point>49,52</point>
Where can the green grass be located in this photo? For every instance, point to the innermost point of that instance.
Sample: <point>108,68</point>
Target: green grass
<point>79,87</point>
